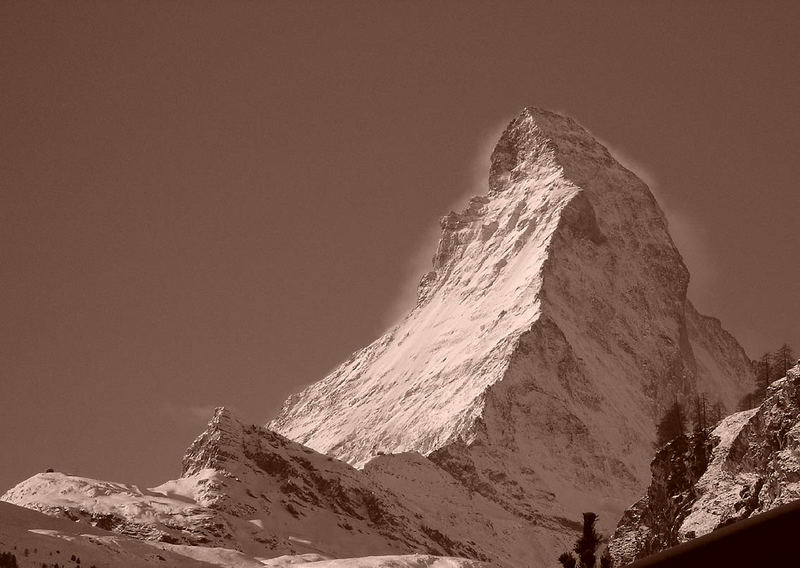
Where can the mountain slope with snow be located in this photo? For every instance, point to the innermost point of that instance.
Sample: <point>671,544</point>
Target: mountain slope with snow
<point>254,493</point>
<point>36,539</point>
<point>551,332</point>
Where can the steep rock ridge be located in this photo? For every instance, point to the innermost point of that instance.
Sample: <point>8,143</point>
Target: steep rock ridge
<point>754,466</point>
<point>552,330</point>
<point>397,504</point>
<point>322,500</point>
<point>716,350</point>
<point>247,489</point>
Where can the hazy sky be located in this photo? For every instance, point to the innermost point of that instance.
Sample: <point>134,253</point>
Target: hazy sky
<point>215,203</point>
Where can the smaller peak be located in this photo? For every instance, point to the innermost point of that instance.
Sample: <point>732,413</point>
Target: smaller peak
<point>219,442</point>
<point>221,413</point>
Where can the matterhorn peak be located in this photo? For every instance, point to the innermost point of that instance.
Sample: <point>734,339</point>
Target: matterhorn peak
<point>521,390</point>
<point>540,135</point>
<point>549,335</point>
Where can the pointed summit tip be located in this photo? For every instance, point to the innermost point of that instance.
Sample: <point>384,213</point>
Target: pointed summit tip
<point>222,418</point>
<point>221,411</point>
<point>217,442</point>
<point>548,123</point>
<point>537,135</point>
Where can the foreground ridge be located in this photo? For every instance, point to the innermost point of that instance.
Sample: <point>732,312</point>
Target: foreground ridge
<point>753,468</point>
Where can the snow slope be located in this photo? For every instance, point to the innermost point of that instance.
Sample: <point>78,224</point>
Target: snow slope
<point>36,539</point>
<point>50,540</point>
<point>552,331</point>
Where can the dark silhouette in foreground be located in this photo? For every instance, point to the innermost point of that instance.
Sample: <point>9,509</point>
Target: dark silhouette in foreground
<point>768,539</point>
<point>586,548</point>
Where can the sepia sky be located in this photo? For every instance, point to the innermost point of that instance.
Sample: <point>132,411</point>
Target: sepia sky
<point>207,203</point>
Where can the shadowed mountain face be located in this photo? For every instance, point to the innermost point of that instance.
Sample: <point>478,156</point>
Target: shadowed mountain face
<point>519,392</point>
<point>551,332</point>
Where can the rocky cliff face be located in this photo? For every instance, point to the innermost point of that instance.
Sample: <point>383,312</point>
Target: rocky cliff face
<point>748,464</point>
<point>552,330</point>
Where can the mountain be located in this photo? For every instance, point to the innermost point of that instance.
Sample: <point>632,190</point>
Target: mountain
<point>552,331</point>
<point>250,494</point>
<point>748,464</point>
<point>519,392</point>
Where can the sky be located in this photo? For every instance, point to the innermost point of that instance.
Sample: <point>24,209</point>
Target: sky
<point>207,203</point>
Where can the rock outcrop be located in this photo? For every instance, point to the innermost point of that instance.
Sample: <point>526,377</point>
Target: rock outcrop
<point>552,331</point>
<point>748,464</point>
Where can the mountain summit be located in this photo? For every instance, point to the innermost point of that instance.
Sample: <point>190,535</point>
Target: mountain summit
<point>520,391</point>
<point>552,331</point>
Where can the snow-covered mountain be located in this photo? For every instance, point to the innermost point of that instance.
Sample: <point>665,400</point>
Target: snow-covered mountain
<point>519,392</point>
<point>551,332</point>
<point>246,488</point>
<point>749,464</point>
<point>255,496</point>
